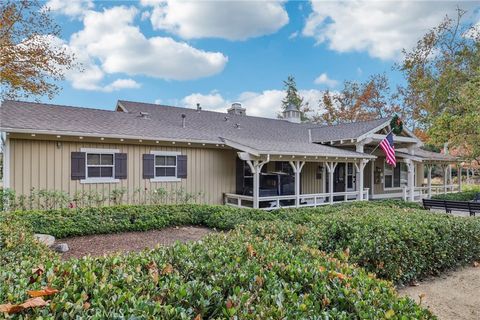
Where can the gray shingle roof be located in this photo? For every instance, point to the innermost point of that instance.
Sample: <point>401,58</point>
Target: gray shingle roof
<point>429,155</point>
<point>165,123</point>
<point>345,131</point>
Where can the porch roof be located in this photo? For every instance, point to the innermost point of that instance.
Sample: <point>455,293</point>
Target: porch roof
<point>277,147</point>
<point>346,131</point>
<point>428,156</point>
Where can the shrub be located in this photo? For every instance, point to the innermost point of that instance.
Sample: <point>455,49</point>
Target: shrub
<point>7,197</point>
<point>401,246</point>
<point>232,275</point>
<point>85,221</point>
<point>458,196</point>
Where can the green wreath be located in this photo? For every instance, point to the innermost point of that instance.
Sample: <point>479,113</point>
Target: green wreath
<point>396,124</point>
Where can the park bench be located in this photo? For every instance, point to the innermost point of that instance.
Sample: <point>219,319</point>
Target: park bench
<point>449,205</point>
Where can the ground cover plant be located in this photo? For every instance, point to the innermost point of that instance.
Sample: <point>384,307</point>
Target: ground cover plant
<point>231,275</point>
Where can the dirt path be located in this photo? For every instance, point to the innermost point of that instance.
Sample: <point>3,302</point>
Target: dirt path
<point>97,245</point>
<point>455,295</point>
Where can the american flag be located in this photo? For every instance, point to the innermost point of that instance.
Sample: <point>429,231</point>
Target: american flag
<point>389,149</point>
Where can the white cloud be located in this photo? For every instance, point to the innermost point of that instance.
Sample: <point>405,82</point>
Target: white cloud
<point>212,101</point>
<point>71,8</point>
<point>293,35</point>
<point>261,104</point>
<point>120,84</point>
<point>324,79</point>
<point>232,20</point>
<point>110,43</point>
<point>381,28</point>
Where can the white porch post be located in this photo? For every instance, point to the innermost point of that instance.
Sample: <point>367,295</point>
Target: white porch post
<point>445,178</point>
<point>360,167</point>
<point>297,167</point>
<point>459,176</point>
<point>450,179</point>
<point>331,168</point>
<point>468,175</point>
<point>429,179</point>
<point>411,179</point>
<point>372,178</point>
<point>256,168</point>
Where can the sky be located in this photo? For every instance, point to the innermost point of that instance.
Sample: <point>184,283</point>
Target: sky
<point>214,53</point>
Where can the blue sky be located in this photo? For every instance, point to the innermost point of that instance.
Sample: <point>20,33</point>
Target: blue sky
<point>217,52</point>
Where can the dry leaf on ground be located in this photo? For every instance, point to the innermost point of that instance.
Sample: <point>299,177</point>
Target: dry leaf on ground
<point>41,293</point>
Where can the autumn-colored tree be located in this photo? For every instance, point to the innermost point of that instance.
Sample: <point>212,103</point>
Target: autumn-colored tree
<point>293,97</point>
<point>32,58</point>
<point>356,101</point>
<point>442,73</point>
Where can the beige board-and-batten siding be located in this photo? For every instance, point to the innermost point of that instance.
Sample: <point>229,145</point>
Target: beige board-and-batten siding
<point>45,164</point>
<point>379,187</point>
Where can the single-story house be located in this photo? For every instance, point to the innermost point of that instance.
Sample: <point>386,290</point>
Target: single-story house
<point>231,157</point>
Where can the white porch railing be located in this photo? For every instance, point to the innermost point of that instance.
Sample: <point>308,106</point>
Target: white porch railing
<point>290,201</point>
<point>423,192</point>
<point>418,193</point>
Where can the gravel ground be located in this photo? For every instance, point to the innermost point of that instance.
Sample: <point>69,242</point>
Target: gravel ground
<point>98,245</point>
<point>455,295</point>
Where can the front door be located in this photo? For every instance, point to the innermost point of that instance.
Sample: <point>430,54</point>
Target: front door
<point>339,178</point>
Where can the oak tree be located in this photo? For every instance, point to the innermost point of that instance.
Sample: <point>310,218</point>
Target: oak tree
<point>32,57</point>
<point>442,84</point>
<point>358,101</point>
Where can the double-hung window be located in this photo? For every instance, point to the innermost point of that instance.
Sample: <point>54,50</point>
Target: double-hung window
<point>395,177</point>
<point>100,165</point>
<point>165,166</point>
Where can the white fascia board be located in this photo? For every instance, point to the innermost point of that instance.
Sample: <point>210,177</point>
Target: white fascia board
<point>241,147</point>
<point>371,132</point>
<point>380,137</point>
<point>98,135</point>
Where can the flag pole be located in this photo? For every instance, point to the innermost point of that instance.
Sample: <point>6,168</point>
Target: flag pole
<point>391,130</point>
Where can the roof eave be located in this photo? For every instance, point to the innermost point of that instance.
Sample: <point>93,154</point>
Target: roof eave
<point>100,135</point>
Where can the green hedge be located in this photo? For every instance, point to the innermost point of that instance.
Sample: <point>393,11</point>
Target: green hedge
<point>234,275</point>
<point>399,245</point>
<point>459,196</point>
<point>63,223</point>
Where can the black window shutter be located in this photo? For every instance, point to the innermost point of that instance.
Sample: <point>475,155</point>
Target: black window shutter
<point>239,176</point>
<point>77,164</point>
<point>182,166</point>
<point>120,166</point>
<point>148,166</point>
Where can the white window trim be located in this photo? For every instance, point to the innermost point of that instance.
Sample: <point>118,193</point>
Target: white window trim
<point>165,153</point>
<point>99,179</point>
<point>391,188</point>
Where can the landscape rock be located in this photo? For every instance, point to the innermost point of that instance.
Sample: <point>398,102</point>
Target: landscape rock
<point>60,247</point>
<point>46,239</point>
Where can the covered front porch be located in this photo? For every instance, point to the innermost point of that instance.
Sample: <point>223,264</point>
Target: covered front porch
<point>293,181</point>
<point>411,179</point>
